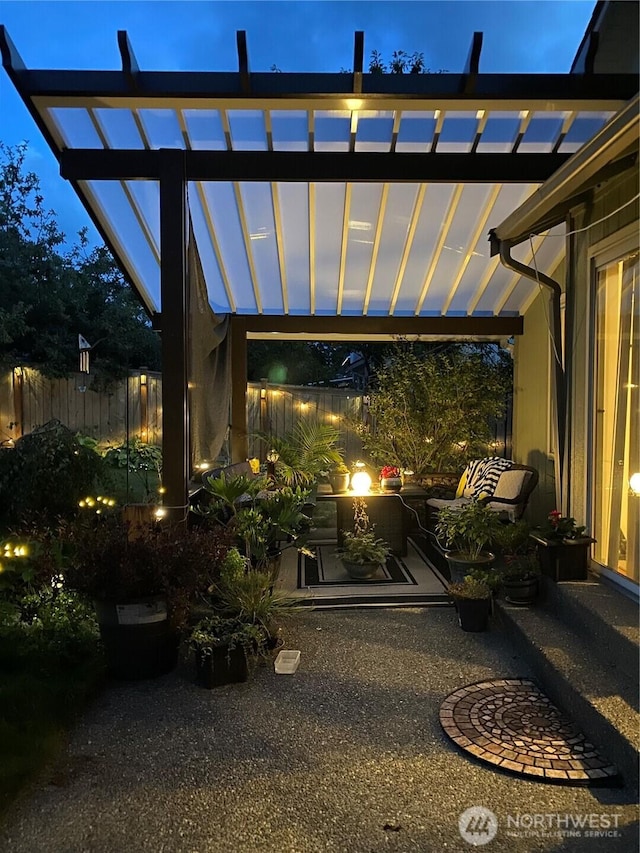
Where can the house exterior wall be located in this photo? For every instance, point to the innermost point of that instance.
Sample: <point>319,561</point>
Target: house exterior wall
<point>531,403</point>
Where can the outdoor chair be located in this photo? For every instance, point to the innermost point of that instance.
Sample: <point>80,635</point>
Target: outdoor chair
<point>504,486</point>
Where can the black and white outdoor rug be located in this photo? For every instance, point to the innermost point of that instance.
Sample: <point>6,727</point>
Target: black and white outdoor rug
<point>324,582</point>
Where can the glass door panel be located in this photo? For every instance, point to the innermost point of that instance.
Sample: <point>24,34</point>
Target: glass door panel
<point>616,507</point>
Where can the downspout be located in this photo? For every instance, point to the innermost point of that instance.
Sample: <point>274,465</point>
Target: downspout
<point>559,379</point>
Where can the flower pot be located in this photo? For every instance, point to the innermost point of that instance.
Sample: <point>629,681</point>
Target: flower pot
<point>390,484</point>
<point>565,559</point>
<point>222,666</point>
<point>460,566</point>
<point>137,638</point>
<point>339,482</point>
<point>360,571</point>
<point>520,590</point>
<point>473,614</point>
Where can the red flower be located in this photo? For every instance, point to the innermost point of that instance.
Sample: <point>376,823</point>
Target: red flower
<point>389,471</point>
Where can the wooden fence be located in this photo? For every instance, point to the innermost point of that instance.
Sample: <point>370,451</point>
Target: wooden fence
<point>134,407</point>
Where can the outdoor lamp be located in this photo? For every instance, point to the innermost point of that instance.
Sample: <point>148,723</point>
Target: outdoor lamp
<point>360,480</point>
<point>272,458</point>
<point>634,484</point>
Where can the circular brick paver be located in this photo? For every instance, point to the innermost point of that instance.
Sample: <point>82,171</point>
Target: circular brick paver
<point>512,725</point>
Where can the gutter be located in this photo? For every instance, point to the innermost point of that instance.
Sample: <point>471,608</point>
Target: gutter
<point>503,247</point>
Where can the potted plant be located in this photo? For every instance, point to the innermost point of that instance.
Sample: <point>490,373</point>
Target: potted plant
<point>222,647</point>
<point>362,554</point>
<point>142,585</point>
<point>390,479</point>
<point>262,520</point>
<point>339,477</point>
<point>305,452</point>
<point>465,531</point>
<point>563,547</point>
<point>472,599</point>
<point>520,578</point>
<point>519,569</point>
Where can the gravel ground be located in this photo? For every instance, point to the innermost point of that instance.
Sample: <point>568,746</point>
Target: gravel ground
<point>345,755</point>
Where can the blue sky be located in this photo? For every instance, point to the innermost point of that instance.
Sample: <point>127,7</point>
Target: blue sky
<point>519,37</point>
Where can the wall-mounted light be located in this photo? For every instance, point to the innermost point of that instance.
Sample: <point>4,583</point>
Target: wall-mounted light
<point>263,393</point>
<point>143,378</point>
<point>17,371</point>
<point>634,484</point>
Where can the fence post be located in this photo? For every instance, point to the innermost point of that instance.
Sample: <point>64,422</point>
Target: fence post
<point>18,401</point>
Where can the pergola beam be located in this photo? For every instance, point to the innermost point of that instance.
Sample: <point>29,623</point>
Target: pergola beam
<point>88,164</point>
<point>399,326</point>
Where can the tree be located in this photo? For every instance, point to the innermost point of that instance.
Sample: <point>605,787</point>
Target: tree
<point>431,411</point>
<point>49,295</point>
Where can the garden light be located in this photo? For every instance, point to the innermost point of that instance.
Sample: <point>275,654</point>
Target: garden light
<point>360,482</point>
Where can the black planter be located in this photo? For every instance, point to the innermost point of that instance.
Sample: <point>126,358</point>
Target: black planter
<point>460,566</point>
<point>473,613</point>
<point>520,590</point>
<point>222,666</point>
<point>137,638</point>
<point>564,560</point>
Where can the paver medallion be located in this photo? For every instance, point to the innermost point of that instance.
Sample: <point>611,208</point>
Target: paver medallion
<point>513,726</point>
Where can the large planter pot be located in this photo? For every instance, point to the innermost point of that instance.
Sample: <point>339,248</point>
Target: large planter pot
<point>339,482</point>
<point>473,614</point>
<point>137,638</point>
<point>518,590</point>
<point>564,560</point>
<point>460,566</point>
<point>360,571</point>
<point>222,666</point>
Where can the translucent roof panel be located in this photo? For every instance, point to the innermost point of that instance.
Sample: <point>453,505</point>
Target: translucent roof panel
<point>500,132</point>
<point>478,259</point>
<point>542,133</point>
<point>216,290</point>
<point>294,214</point>
<point>332,130</point>
<point>223,212</point>
<point>328,217</point>
<point>145,195</point>
<point>204,129</point>
<point>458,133</point>
<point>112,202</point>
<point>257,205</point>
<point>416,132</point>
<point>290,130</point>
<point>248,132</point>
<point>454,245</point>
<point>397,220</point>
<point>161,128</point>
<point>365,203</point>
<point>584,126</point>
<point>75,127</point>
<point>436,201</point>
<point>119,128</point>
<point>375,130</point>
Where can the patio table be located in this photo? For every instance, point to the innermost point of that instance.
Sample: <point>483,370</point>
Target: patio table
<point>386,510</point>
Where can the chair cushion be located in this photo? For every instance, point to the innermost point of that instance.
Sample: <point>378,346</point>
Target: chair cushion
<point>510,484</point>
<point>440,503</point>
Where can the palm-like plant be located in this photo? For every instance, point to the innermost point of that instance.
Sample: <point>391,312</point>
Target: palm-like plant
<point>305,452</point>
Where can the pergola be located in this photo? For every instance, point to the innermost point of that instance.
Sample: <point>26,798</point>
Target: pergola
<point>326,206</point>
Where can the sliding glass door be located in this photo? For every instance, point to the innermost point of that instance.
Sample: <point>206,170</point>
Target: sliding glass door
<point>616,426</point>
